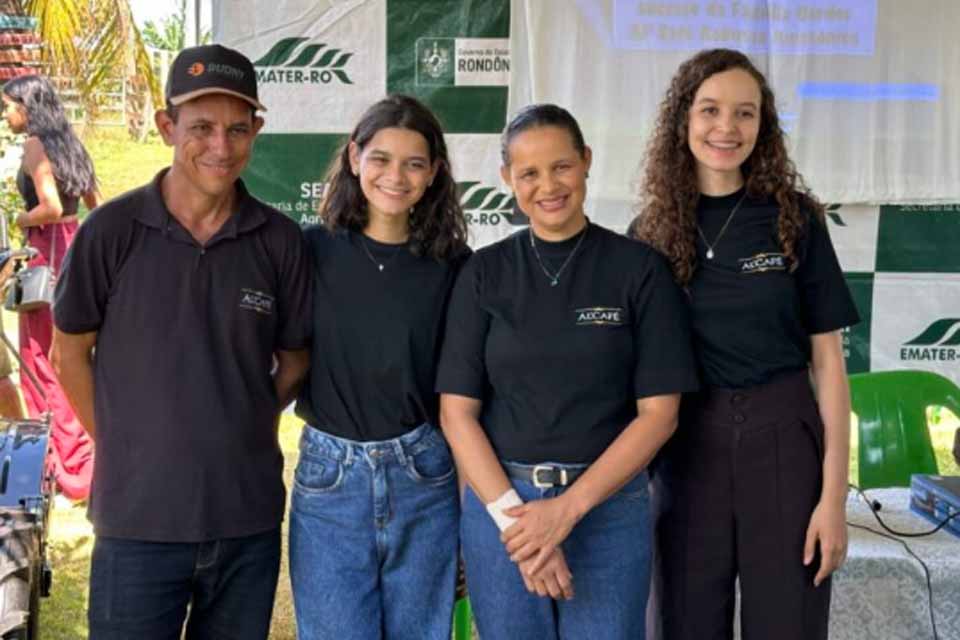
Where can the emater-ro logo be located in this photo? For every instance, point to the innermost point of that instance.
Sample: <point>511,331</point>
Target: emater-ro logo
<point>487,206</point>
<point>937,343</point>
<point>291,61</point>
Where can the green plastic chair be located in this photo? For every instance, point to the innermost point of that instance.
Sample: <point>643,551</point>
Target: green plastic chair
<point>462,613</point>
<point>462,620</point>
<point>893,433</point>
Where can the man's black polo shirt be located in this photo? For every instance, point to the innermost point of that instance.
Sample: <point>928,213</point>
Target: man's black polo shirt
<point>184,400</point>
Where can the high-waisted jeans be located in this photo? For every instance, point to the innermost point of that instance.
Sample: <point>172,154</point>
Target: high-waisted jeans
<point>373,537</point>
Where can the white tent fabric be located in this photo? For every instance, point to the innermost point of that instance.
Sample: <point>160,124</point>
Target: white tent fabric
<point>867,89</point>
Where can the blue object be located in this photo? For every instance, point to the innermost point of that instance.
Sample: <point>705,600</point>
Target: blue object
<point>937,498</point>
<point>23,452</point>
<point>868,91</point>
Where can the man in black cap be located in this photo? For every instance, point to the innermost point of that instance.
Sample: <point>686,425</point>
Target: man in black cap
<point>183,320</point>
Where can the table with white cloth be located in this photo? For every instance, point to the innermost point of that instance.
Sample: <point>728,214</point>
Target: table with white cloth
<point>881,592</point>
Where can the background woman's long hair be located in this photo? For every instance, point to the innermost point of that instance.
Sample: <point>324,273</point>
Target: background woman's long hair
<point>666,212</point>
<point>72,166</point>
<point>438,227</point>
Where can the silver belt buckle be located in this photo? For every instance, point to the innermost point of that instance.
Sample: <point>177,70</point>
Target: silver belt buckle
<point>548,485</point>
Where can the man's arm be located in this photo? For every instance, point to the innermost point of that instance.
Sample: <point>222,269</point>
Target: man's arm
<point>291,368</point>
<point>72,359</point>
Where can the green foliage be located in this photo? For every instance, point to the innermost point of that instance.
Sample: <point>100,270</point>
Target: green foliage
<point>11,204</point>
<point>94,42</point>
<point>170,33</point>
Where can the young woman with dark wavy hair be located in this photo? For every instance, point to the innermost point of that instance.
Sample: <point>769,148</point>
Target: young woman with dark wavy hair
<point>374,512</point>
<point>753,485</point>
<point>55,174</point>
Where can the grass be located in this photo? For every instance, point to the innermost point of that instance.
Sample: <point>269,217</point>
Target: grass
<point>122,164</point>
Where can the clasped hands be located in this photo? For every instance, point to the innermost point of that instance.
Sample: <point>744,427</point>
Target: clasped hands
<point>533,542</point>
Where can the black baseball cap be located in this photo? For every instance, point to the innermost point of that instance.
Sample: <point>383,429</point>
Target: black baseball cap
<point>212,68</point>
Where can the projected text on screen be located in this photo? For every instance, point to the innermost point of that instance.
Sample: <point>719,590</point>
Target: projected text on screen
<point>755,26</point>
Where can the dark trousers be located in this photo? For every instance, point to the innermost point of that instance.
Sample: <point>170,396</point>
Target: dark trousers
<point>734,491</point>
<point>143,589</point>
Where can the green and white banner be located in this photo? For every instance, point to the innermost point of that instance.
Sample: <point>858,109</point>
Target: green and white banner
<point>321,63</point>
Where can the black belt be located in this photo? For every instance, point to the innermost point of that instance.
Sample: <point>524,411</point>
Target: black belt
<point>543,476</point>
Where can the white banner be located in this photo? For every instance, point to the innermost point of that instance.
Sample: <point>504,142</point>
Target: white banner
<point>854,230</point>
<point>916,323</point>
<point>319,64</point>
<point>867,89</point>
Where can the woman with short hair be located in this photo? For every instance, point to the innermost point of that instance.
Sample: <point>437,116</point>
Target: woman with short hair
<point>566,350</point>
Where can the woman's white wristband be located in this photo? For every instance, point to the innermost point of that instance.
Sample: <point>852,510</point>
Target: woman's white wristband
<point>497,507</point>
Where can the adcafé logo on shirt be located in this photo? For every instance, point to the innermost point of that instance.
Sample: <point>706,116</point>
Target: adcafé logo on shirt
<point>939,342</point>
<point>593,316</point>
<point>253,300</point>
<point>763,262</point>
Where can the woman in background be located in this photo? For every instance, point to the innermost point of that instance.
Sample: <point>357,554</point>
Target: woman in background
<point>753,485</point>
<point>55,174</point>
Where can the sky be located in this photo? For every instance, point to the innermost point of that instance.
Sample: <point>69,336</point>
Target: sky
<point>156,10</point>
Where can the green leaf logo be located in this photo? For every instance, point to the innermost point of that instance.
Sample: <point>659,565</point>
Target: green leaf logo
<point>280,53</point>
<point>294,53</point>
<point>477,199</point>
<point>832,210</point>
<point>943,333</point>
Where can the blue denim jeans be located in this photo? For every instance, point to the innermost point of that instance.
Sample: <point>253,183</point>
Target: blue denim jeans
<point>142,589</point>
<point>373,537</point>
<point>608,553</point>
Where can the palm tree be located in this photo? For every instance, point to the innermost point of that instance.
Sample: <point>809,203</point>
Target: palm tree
<point>93,41</point>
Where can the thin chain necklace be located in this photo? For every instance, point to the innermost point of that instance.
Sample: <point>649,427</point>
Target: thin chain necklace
<point>710,246</point>
<point>380,265</point>
<point>555,277</point>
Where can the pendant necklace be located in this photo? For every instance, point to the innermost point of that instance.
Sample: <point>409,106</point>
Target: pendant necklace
<point>709,245</point>
<point>555,277</point>
<point>380,264</point>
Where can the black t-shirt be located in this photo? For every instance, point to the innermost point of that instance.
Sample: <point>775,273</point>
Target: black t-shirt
<point>376,338</point>
<point>752,317</point>
<point>559,368</point>
<point>28,191</point>
<point>184,401</point>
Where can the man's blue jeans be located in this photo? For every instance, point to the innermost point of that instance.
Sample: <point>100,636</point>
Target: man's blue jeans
<point>608,553</point>
<point>373,537</point>
<point>142,589</point>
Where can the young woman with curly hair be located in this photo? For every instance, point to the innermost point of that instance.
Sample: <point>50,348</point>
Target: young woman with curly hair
<point>753,485</point>
<point>374,511</point>
<point>55,174</point>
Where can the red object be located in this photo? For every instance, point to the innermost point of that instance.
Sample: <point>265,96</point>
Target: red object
<point>71,449</point>
<point>8,73</point>
<point>11,39</point>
